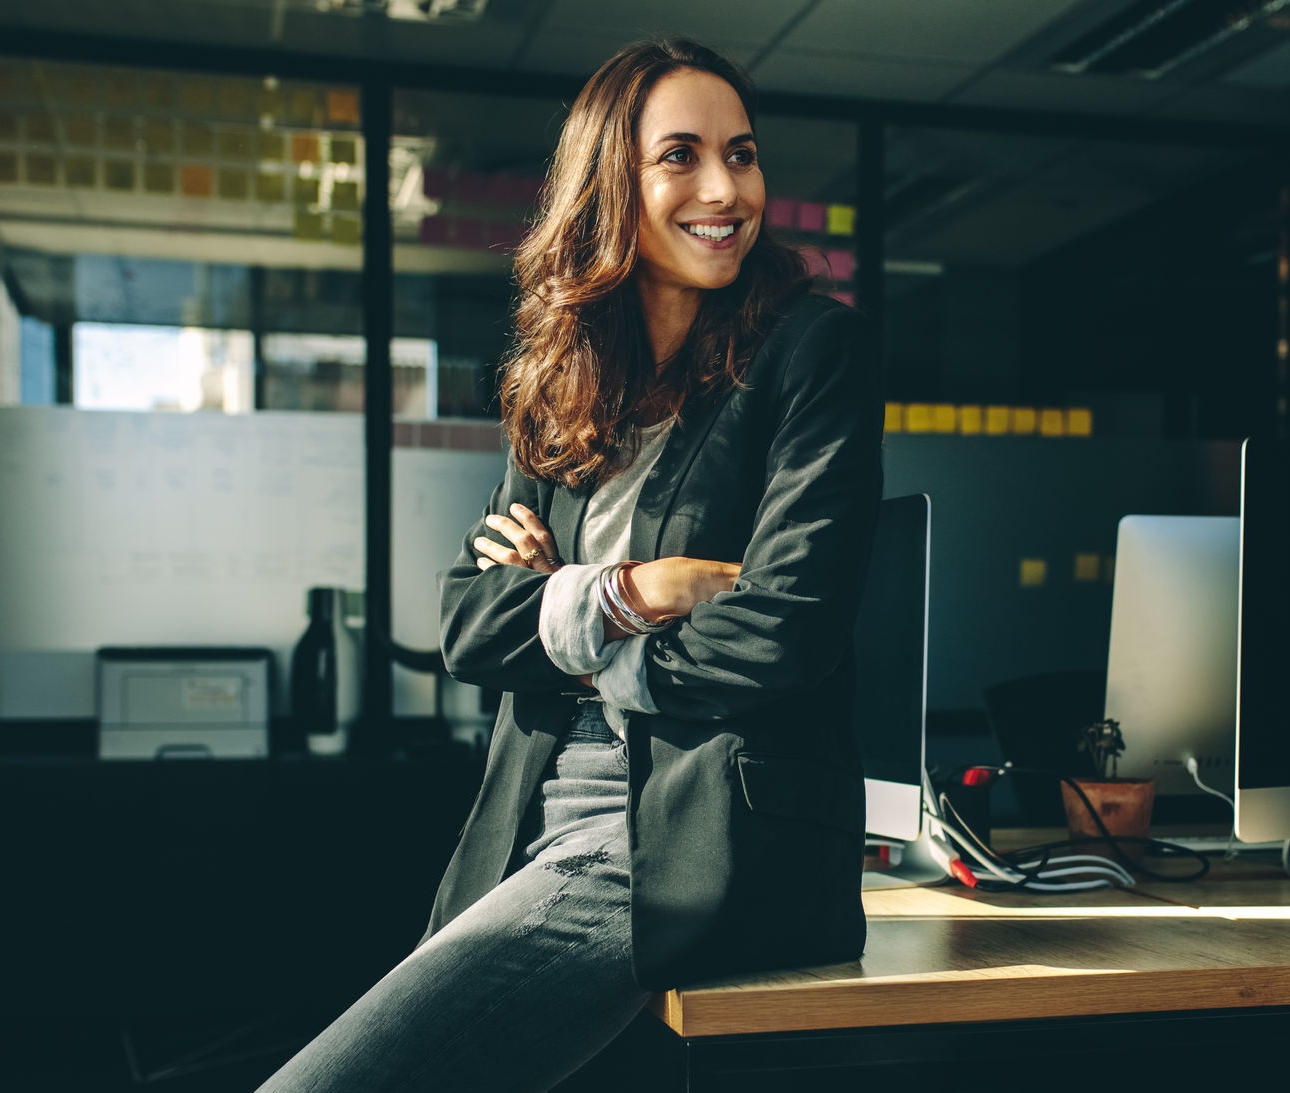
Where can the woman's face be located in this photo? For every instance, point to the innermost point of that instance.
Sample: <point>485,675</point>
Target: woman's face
<point>701,190</point>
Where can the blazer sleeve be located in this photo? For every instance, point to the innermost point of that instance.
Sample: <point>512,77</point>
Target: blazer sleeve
<point>789,619</point>
<point>488,619</point>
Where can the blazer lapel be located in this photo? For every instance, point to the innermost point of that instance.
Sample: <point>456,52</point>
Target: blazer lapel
<point>568,507</point>
<point>658,493</point>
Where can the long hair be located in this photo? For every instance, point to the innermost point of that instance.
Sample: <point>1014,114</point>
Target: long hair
<point>581,360</point>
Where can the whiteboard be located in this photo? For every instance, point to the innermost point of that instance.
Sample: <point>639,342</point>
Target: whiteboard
<point>123,528</point>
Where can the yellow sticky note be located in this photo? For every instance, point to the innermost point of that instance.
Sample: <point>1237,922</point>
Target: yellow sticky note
<point>234,184</point>
<point>270,186</point>
<point>344,195</point>
<point>198,140</point>
<point>998,419</point>
<point>971,420</point>
<point>918,418</point>
<point>840,220</point>
<point>347,230</point>
<point>894,419</point>
<point>237,143</point>
<point>307,225</point>
<point>159,178</point>
<point>79,171</point>
<point>159,136</point>
<point>270,146</point>
<point>80,129</point>
<point>302,107</point>
<point>195,95</point>
<point>42,170</point>
<point>158,93</point>
<point>305,191</point>
<point>1079,421</point>
<point>234,99</point>
<point>1088,567</point>
<point>1052,422</point>
<point>344,150</point>
<point>118,174</point>
<point>1032,573</point>
<point>944,418</point>
<point>1024,420</point>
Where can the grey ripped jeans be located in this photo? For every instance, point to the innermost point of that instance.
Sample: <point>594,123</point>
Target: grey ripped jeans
<point>529,983</point>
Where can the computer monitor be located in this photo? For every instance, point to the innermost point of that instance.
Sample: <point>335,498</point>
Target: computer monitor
<point>1171,664</point>
<point>891,668</point>
<point>1262,717</point>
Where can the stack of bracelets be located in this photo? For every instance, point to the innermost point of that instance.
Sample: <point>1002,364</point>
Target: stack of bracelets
<point>613,602</point>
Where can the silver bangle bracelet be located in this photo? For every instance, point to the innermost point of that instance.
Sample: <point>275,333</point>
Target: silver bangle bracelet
<point>613,602</point>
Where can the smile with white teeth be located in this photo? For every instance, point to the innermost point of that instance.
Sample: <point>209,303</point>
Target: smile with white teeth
<point>710,231</point>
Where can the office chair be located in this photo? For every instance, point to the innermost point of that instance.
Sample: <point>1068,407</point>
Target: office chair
<point>1035,721</point>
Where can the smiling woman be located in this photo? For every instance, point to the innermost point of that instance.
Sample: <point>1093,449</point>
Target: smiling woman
<point>701,199</point>
<point>663,587</point>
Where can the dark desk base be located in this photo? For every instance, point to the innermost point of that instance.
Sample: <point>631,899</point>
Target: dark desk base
<point>1102,1054</point>
<point>153,888</point>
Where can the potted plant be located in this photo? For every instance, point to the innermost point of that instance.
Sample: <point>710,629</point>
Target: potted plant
<point>1122,804</point>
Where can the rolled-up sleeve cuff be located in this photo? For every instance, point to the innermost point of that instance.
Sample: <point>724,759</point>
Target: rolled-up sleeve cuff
<point>569,622</point>
<point>622,684</point>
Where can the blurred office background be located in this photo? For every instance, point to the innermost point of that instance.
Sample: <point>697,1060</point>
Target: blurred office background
<point>254,257</point>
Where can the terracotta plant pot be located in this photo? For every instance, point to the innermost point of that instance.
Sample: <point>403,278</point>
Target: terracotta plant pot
<point>1123,805</point>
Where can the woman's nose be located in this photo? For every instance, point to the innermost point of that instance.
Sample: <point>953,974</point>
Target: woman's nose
<point>717,184</point>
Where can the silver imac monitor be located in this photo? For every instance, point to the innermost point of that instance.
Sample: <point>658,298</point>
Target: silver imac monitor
<point>891,668</point>
<point>1262,715</point>
<point>1171,664</point>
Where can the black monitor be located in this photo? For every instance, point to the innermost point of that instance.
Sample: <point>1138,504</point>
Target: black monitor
<point>1262,714</point>
<point>891,668</point>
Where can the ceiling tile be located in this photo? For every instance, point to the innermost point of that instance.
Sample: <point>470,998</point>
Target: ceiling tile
<point>580,54</point>
<point>859,77</point>
<point>1090,93</point>
<point>753,22</point>
<point>949,30</point>
<point>1270,70</point>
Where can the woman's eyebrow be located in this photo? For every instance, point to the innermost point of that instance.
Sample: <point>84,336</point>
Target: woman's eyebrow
<point>694,138</point>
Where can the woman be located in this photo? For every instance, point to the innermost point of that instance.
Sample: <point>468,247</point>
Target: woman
<point>671,790</point>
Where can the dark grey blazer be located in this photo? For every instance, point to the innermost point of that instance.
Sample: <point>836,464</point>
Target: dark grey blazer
<point>746,803</point>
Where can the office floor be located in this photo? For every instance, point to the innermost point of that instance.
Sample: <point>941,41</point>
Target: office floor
<point>227,1055</point>
<point>98,1055</point>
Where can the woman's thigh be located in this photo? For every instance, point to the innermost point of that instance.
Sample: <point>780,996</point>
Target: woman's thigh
<point>519,990</point>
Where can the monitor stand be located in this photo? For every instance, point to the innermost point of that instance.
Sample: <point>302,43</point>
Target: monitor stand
<point>916,868</point>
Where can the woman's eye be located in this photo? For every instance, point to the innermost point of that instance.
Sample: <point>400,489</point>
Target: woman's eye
<point>743,157</point>
<point>678,155</point>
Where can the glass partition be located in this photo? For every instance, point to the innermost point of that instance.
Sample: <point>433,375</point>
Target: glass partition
<point>1027,274</point>
<point>174,221</point>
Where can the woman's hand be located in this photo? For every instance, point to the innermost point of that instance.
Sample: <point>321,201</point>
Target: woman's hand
<point>671,587</point>
<point>533,545</point>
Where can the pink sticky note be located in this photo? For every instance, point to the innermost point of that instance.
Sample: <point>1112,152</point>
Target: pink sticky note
<point>811,216</point>
<point>781,212</point>
<point>842,263</point>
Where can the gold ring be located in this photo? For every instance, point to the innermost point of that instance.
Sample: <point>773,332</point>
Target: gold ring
<point>527,559</point>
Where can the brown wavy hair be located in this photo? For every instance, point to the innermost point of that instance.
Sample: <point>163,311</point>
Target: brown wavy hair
<point>581,362</point>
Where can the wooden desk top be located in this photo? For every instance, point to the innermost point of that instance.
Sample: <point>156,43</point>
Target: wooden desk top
<point>950,954</point>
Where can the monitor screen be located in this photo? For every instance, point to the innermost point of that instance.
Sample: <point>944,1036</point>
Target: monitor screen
<point>891,668</point>
<point>1171,664</point>
<point>1262,717</point>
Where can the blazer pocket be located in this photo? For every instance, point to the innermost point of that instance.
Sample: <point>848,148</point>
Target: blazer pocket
<point>800,789</point>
